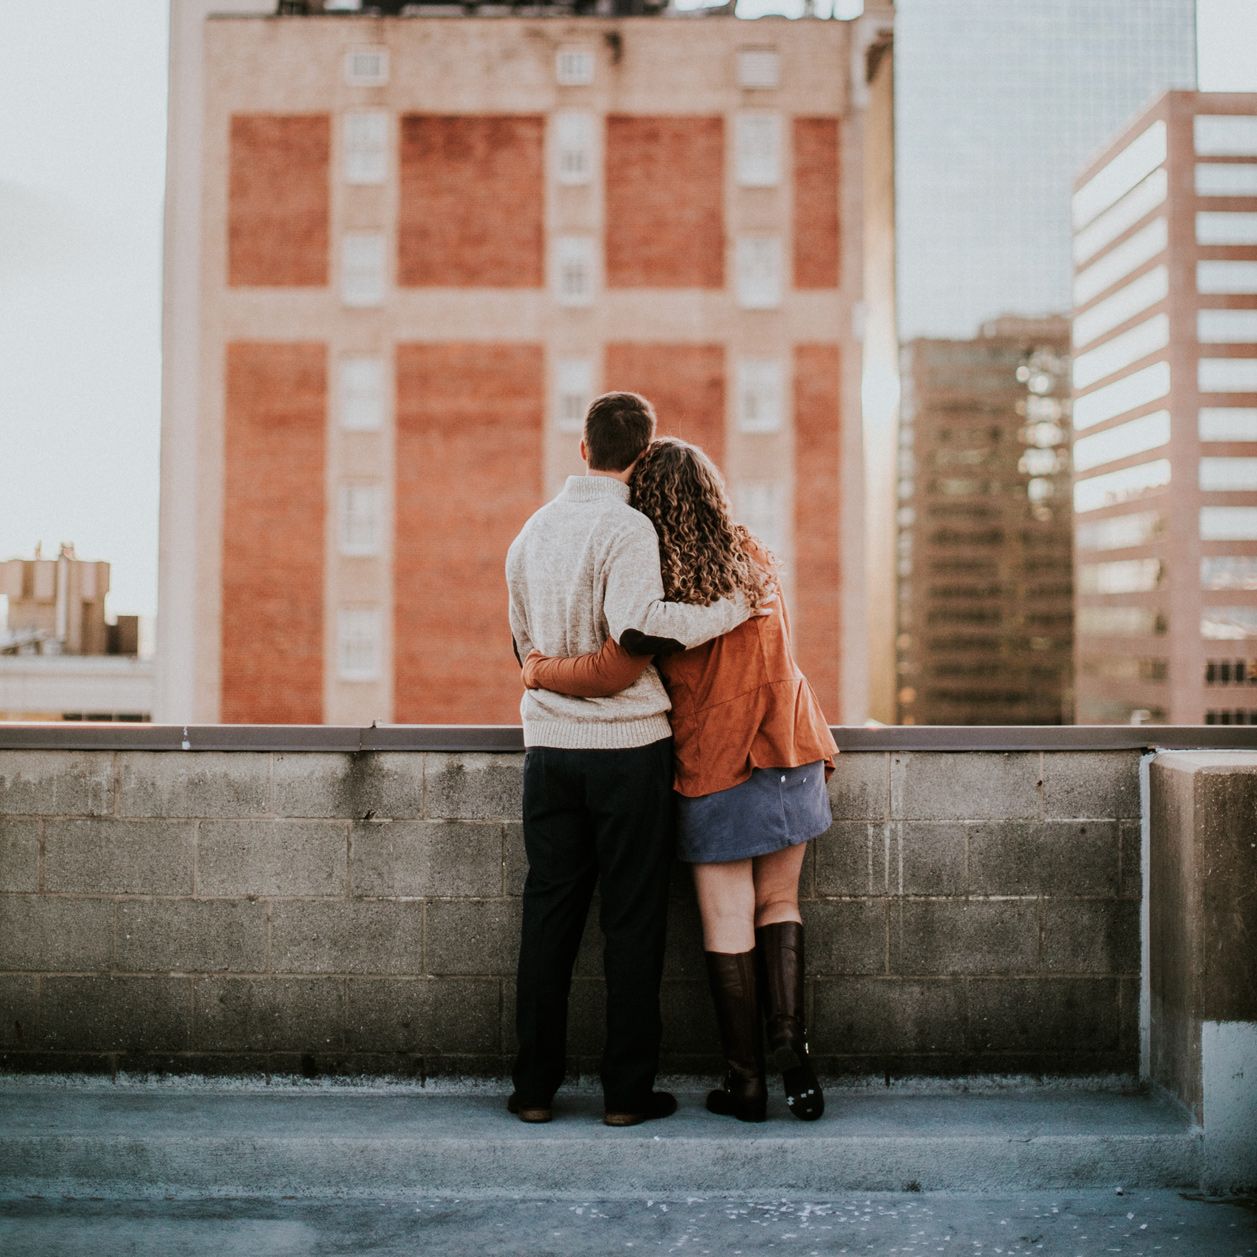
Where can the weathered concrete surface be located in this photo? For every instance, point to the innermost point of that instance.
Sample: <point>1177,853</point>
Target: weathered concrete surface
<point>1042,1224</point>
<point>334,913</point>
<point>133,1142</point>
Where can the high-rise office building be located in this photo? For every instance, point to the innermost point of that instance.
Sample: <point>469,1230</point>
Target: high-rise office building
<point>1165,416</point>
<point>984,564</point>
<point>403,253</point>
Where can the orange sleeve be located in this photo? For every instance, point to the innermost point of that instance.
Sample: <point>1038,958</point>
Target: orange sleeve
<point>597,675</point>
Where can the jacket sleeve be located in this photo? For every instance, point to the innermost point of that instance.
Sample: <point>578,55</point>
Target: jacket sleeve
<point>596,675</point>
<point>636,613</point>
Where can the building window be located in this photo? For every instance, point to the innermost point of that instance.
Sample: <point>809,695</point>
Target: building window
<point>361,394</point>
<point>1221,228</point>
<point>1228,571</point>
<point>358,643</point>
<point>574,67</point>
<point>1225,135</point>
<point>574,147</point>
<point>1121,486</point>
<point>1120,531</point>
<point>362,268</point>
<point>1222,475</point>
<point>1139,201</point>
<point>1145,433</point>
<point>366,67</point>
<point>1138,295</point>
<point>1226,179</point>
<point>759,272</point>
<point>1227,375</point>
<point>760,394</point>
<point>758,148</point>
<point>1136,161</point>
<point>366,146</point>
<point>1128,393</point>
<point>1227,423</point>
<point>1140,341</point>
<point>574,270</point>
<point>758,504</point>
<point>1227,277</point>
<point>1122,576</point>
<point>361,518</point>
<point>573,391</point>
<point>1228,623</point>
<point>759,68</point>
<point>1120,260</point>
<point>1228,523</point>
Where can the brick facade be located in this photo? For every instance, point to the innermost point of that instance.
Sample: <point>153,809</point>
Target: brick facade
<point>818,570</point>
<point>279,200</point>
<point>273,520</point>
<point>665,202</point>
<point>816,178</point>
<point>686,383</point>
<point>469,420</point>
<point>472,201</point>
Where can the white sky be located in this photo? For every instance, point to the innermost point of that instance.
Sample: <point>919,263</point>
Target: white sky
<point>82,93</point>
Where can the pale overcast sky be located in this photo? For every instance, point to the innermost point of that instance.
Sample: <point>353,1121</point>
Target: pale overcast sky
<point>82,93</point>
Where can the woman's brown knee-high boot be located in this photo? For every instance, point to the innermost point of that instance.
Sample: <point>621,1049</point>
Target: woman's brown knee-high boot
<point>734,991</point>
<point>780,951</point>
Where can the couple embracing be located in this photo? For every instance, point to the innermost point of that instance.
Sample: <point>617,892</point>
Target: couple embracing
<point>664,715</point>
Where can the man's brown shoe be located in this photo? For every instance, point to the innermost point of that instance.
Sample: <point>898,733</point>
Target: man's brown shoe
<point>528,1112</point>
<point>660,1104</point>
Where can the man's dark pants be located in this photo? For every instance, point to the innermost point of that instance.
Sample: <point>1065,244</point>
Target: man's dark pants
<point>591,818</point>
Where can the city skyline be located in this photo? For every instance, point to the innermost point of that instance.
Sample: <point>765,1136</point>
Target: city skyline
<point>81,210</point>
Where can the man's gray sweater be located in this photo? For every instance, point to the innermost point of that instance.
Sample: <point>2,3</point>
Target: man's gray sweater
<point>585,567</point>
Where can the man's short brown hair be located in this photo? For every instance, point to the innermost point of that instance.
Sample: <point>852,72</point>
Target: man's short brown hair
<point>618,427</point>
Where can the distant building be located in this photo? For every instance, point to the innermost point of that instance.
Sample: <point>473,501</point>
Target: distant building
<point>60,659</point>
<point>1165,416</point>
<point>403,253</point>
<point>985,594</point>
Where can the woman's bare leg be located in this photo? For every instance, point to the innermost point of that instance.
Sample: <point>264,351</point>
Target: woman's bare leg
<point>776,877</point>
<point>726,903</point>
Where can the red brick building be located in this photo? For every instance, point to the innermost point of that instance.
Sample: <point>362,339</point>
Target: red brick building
<point>404,253</point>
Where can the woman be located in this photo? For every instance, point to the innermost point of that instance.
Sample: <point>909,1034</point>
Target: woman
<point>753,752</point>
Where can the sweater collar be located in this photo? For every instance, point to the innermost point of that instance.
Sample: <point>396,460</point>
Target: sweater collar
<point>594,488</point>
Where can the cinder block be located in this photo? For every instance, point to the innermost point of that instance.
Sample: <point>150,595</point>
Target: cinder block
<point>358,936</point>
<point>851,859</point>
<point>112,1014</point>
<point>304,857</point>
<point>684,955</point>
<point>1043,858</point>
<point>56,783</point>
<point>194,783</point>
<point>362,786</point>
<point>191,936</point>
<point>1130,881</point>
<point>975,785</point>
<point>473,936</point>
<point>1091,936</point>
<point>19,853</point>
<point>927,859</point>
<point>1091,783</point>
<point>1128,1016</point>
<point>860,786</point>
<point>689,1018</point>
<point>845,936</point>
<point>269,1014</point>
<point>514,858</point>
<point>107,855</point>
<point>441,858</point>
<point>888,1015</point>
<point>19,1022</point>
<point>1075,1015</point>
<point>474,787</point>
<point>55,934</point>
<point>963,936</point>
<point>456,1015</point>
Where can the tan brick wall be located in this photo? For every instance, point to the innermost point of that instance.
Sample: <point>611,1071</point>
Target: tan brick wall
<point>472,202</point>
<point>469,421</point>
<point>273,516</point>
<point>665,202</point>
<point>278,200</point>
<point>816,227</point>
<point>686,383</point>
<point>818,572</point>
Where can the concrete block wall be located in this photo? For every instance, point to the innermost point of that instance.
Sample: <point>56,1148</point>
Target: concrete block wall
<point>319,913</point>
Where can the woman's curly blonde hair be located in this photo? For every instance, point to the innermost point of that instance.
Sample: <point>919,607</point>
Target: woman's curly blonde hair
<point>703,554</point>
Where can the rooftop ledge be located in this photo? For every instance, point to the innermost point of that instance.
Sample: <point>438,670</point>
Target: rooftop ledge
<point>76,735</point>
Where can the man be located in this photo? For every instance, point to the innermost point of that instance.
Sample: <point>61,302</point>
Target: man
<point>597,772</point>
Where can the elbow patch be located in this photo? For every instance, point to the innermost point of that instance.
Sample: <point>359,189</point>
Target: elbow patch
<point>638,643</point>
